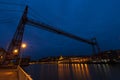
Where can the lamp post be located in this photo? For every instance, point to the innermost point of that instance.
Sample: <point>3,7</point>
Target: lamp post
<point>23,46</point>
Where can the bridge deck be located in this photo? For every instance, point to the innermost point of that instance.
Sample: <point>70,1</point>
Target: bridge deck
<point>8,74</point>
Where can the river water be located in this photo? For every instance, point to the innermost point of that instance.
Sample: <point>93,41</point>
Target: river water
<point>74,71</point>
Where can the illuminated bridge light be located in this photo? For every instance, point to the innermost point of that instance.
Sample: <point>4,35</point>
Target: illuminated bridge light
<point>24,45</point>
<point>15,51</point>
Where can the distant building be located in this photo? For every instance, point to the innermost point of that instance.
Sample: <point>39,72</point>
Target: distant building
<point>2,55</point>
<point>110,54</point>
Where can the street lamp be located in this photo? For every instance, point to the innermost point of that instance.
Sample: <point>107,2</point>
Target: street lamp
<point>15,51</point>
<point>23,46</point>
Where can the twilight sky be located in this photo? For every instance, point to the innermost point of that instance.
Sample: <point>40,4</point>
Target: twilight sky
<point>84,18</point>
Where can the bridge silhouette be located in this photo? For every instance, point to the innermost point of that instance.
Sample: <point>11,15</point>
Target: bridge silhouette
<point>16,42</point>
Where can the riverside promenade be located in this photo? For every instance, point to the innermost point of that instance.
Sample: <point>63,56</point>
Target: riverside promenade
<point>13,73</point>
<point>8,74</point>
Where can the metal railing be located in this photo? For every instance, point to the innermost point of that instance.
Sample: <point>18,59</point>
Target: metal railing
<point>22,75</point>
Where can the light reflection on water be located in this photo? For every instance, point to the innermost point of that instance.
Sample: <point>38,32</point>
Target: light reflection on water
<point>74,71</point>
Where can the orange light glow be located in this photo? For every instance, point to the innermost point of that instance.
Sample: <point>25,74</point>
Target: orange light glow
<point>24,45</point>
<point>15,51</point>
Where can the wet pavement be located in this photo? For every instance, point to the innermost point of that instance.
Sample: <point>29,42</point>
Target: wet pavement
<point>8,74</point>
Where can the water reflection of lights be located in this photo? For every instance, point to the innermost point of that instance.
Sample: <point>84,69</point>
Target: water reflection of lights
<point>74,72</point>
<point>83,71</point>
<point>99,68</point>
<point>63,72</point>
<point>102,69</point>
<point>60,71</point>
<point>79,71</point>
<point>106,69</point>
<point>87,72</point>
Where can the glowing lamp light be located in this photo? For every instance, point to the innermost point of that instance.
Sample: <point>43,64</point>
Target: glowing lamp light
<point>24,45</point>
<point>1,57</point>
<point>15,51</point>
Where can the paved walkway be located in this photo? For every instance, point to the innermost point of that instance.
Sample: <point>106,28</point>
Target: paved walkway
<point>8,74</point>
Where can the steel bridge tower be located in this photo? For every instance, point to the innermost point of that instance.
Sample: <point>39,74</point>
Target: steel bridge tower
<point>16,42</point>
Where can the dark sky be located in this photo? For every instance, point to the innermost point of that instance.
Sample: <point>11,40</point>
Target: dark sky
<point>84,18</point>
